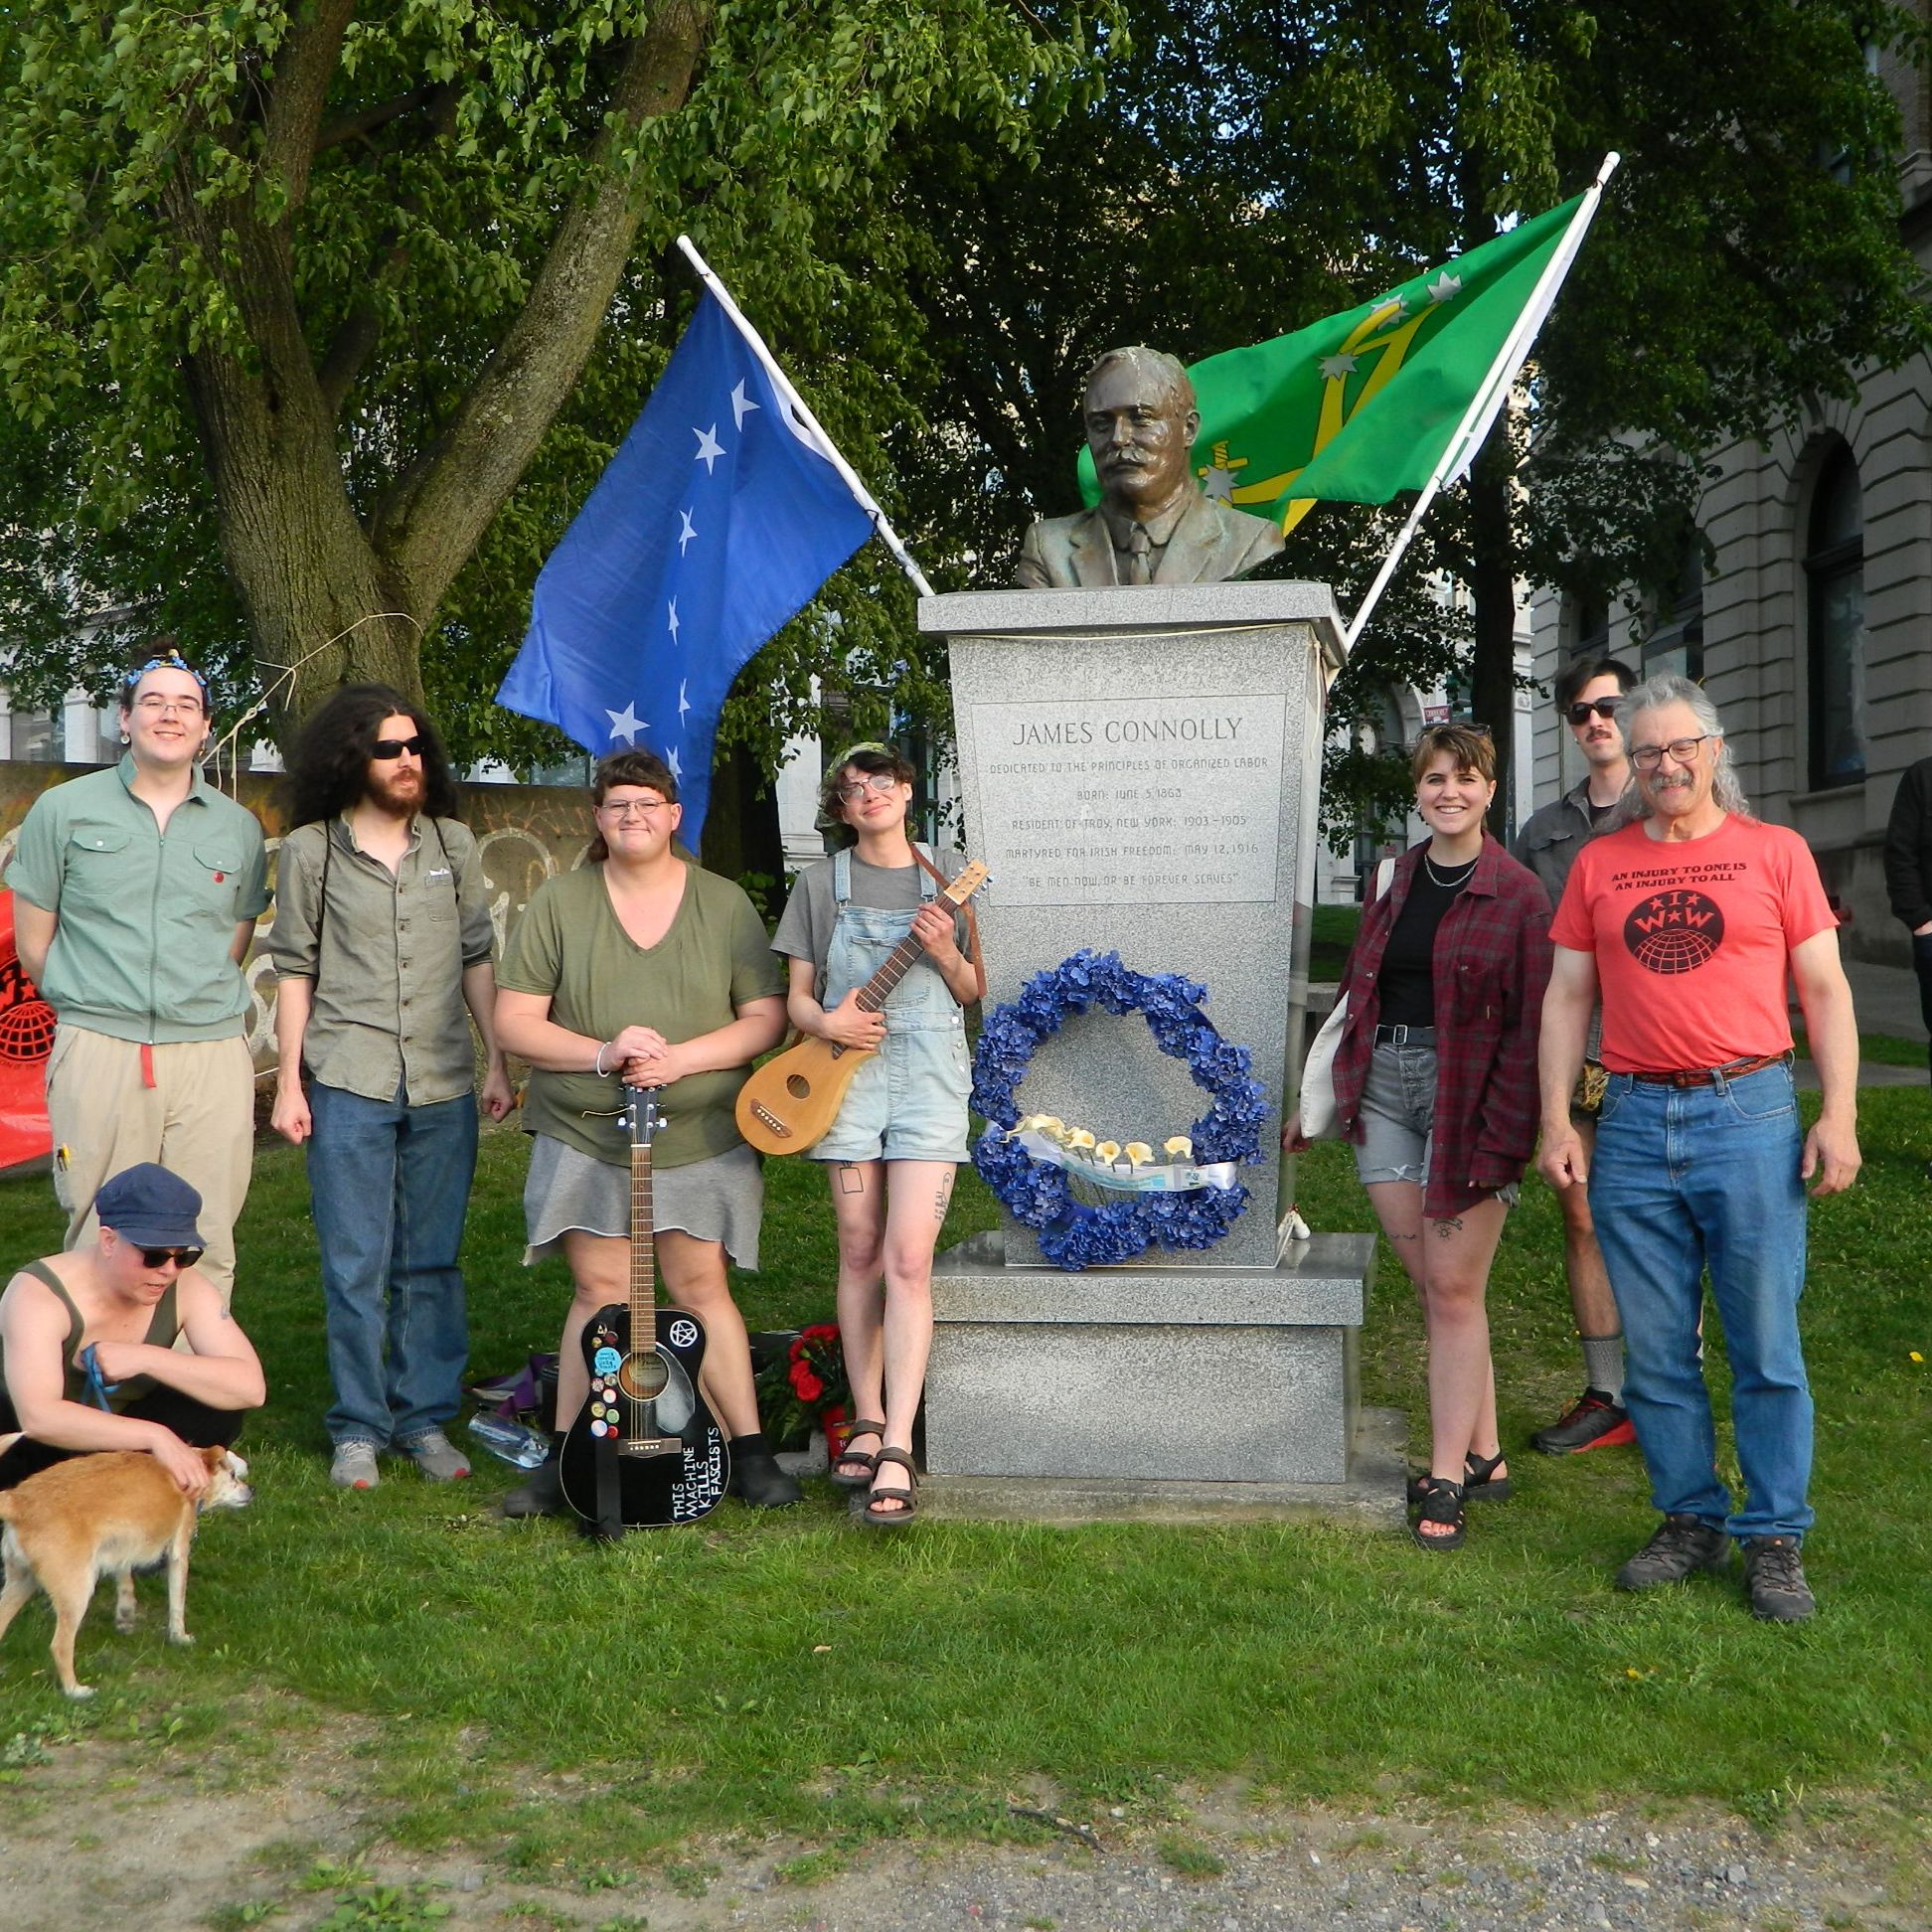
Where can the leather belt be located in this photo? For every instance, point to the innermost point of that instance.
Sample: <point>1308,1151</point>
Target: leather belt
<point>1703,1077</point>
<point>1398,1035</point>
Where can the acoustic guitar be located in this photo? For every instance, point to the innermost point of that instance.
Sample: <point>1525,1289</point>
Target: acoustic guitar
<point>791,1101</point>
<point>644,1450</point>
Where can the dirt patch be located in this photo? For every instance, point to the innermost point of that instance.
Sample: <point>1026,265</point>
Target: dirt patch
<point>105,1833</point>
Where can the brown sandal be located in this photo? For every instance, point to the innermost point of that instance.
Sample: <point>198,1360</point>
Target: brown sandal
<point>877,1518</point>
<point>851,1455</point>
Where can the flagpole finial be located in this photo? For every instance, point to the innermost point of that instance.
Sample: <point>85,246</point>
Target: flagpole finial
<point>1611,163</point>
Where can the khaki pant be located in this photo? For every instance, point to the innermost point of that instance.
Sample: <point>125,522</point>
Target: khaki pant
<point>197,1120</point>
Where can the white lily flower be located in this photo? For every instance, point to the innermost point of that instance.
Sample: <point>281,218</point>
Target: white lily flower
<point>1108,1151</point>
<point>1179,1147</point>
<point>1139,1153</point>
<point>1081,1138</point>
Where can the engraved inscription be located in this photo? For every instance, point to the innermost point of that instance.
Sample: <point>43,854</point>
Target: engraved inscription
<point>1173,800</point>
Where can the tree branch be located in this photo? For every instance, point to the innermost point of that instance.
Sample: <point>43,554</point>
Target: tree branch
<point>306,63</point>
<point>434,515</point>
<point>367,120</point>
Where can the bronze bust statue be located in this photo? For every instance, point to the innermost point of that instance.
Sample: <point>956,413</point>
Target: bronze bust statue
<point>1154,523</point>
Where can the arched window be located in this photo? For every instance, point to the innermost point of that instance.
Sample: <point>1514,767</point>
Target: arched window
<point>1835,602</point>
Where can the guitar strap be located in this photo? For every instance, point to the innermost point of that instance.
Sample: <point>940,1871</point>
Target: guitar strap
<point>972,921</point>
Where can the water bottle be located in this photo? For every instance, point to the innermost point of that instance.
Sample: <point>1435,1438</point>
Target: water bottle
<point>512,1441</point>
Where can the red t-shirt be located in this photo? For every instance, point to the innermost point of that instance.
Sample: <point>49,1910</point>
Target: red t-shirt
<point>1693,940</point>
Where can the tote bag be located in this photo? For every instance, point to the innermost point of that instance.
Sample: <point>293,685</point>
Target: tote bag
<point>1318,1118</point>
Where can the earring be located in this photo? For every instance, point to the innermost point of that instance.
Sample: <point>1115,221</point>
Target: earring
<point>125,739</point>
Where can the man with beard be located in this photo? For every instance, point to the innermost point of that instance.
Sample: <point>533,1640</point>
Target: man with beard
<point>1688,920</point>
<point>1154,523</point>
<point>382,940</point>
<point>1589,695</point>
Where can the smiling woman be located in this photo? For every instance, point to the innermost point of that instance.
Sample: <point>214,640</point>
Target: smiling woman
<point>1435,1081</point>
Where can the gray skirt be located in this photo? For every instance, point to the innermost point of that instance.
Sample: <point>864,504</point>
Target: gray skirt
<point>717,1200</point>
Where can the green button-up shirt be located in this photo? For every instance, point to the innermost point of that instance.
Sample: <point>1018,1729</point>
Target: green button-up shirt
<point>146,919</point>
<point>386,957</point>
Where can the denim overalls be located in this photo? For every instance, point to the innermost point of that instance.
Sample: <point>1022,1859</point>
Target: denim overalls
<point>909,1102</point>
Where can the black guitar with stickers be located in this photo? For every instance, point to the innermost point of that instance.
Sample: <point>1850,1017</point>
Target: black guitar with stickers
<point>644,1450</point>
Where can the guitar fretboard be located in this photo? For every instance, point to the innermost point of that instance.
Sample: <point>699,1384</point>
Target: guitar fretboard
<point>898,962</point>
<point>643,1252</point>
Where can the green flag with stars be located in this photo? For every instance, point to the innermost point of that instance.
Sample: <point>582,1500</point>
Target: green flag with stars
<point>1360,406</point>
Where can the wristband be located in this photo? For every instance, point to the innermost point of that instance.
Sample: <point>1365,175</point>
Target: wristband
<point>598,1067</point>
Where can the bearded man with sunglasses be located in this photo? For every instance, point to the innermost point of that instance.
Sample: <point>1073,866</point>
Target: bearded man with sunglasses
<point>1589,696</point>
<point>124,1343</point>
<point>381,945</point>
<point>1688,920</point>
<point>135,897</point>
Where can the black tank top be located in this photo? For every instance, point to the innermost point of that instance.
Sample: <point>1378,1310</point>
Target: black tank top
<point>163,1330</point>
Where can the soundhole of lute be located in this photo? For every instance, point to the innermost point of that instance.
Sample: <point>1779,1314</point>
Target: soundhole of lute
<point>644,1377</point>
<point>798,1086</point>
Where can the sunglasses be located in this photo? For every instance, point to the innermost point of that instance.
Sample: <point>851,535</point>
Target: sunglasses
<point>386,749</point>
<point>1605,708</point>
<point>181,1257</point>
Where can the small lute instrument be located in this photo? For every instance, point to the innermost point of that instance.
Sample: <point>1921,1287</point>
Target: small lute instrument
<point>644,1450</point>
<point>791,1101</point>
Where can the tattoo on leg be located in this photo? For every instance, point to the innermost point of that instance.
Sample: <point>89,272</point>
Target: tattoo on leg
<point>1449,1225</point>
<point>941,1198</point>
<point>851,1180</point>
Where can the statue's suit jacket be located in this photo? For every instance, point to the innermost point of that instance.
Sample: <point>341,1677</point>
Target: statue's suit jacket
<point>1210,544</point>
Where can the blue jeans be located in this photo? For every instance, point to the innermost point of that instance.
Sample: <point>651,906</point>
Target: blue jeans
<point>1695,1177</point>
<point>389,1188</point>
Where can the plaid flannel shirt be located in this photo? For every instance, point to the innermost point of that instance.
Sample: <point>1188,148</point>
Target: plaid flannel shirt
<point>1491,964</point>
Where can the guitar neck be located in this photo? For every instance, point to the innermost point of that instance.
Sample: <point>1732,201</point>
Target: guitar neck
<point>898,962</point>
<point>643,1253</point>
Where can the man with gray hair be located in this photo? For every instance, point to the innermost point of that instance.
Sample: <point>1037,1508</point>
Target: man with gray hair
<point>1687,921</point>
<point>1153,523</point>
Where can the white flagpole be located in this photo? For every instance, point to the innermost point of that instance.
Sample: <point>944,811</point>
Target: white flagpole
<point>796,403</point>
<point>1486,403</point>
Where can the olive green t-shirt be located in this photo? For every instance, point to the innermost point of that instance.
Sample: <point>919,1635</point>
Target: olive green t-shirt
<point>570,947</point>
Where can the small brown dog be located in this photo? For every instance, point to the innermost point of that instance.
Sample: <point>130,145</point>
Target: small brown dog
<point>105,1514</point>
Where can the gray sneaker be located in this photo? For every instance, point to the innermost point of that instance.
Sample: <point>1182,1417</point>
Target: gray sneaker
<point>354,1466</point>
<point>1681,1545</point>
<point>1775,1579</point>
<point>436,1456</point>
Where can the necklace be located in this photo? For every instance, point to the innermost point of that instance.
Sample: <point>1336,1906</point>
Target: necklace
<point>1454,877</point>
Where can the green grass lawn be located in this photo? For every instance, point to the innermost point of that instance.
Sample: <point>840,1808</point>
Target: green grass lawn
<point>791,1673</point>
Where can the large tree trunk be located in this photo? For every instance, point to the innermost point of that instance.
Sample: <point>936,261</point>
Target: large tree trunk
<point>1492,585</point>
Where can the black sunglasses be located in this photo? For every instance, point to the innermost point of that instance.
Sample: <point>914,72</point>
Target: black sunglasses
<point>386,749</point>
<point>1605,708</point>
<point>181,1257</point>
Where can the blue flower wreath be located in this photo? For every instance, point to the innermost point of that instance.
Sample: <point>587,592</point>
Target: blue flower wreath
<point>1072,1235</point>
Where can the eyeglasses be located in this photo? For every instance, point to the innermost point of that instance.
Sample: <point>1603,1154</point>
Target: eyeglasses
<point>1683,751</point>
<point>625,809</point>
<point>386,749</point>
<point>154,706</point>
<point>1604,707</point>
<point>879,781</point>
<point>181,1257</point>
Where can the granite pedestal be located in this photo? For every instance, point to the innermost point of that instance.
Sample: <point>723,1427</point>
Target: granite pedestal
<point>1139,770</point>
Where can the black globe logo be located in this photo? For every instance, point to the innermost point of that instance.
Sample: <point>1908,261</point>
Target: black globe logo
<point>1674,932</point>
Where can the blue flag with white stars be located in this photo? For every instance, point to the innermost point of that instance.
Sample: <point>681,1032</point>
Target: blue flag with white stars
<point>713,524</point>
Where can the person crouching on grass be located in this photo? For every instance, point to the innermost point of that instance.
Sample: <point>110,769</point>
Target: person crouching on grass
<point>90,1355</point>
<point>1435,1082</point>
<point>901,1128</point>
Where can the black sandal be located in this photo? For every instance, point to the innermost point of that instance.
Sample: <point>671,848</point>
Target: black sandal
<point>851,1455</point>
<point>1480,1480</point>
<point>1440,1503</point>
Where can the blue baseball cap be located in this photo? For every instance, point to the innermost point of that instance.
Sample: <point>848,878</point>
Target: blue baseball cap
<point>152,1208</point>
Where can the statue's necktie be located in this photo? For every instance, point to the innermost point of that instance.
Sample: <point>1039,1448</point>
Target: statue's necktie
<point>1139,546</point>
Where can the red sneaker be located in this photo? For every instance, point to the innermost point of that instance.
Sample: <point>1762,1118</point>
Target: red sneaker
<point>1593,1421</point>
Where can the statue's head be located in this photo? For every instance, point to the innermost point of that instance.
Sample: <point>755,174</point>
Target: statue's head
<point>1141,422</point>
